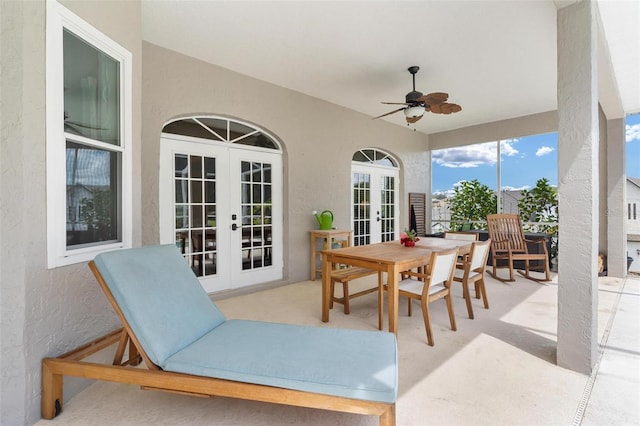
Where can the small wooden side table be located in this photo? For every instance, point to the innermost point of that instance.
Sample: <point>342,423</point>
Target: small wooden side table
<point>327,237</point>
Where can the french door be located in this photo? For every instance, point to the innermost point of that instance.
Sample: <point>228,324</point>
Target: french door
<point>222,207</point>
<point>375,204</point>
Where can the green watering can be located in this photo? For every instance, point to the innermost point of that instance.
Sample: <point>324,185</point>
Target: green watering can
<point>325,220</point>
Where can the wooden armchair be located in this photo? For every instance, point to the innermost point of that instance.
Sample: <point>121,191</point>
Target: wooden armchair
<point>508,243</point>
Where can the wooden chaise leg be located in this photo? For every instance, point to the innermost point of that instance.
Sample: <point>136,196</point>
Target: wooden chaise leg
<point>388,417</point>
<point>51,393</point>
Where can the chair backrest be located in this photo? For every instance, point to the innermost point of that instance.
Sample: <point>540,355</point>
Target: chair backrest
<point>466,236</point>
<point>159,297</point>
<point>442,266</point>
<point>478,255</point>
<point>505,230</point>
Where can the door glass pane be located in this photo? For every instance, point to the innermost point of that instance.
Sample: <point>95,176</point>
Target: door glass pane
<point>91,91</point>
<point>256,215</point>
<point>216,125</point>
<point>92,195</point>
<point>258,139</point>
<point>195,210</point>
<point>237,130</point>
<point>189,127</point>
<point>387,196</point>
<point>361,208</point>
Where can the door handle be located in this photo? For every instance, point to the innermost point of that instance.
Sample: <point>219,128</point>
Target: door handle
<point>234,227</point>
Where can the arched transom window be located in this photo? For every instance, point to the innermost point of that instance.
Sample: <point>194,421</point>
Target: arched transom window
<point>374,156</point>
<point>222,130</point>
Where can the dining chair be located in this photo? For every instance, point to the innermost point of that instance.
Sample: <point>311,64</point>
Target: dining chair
<point>471,270</point>
<point>428,286</point>
<point>466,236</point>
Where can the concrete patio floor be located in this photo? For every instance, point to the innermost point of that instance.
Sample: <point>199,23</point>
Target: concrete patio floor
<point>499,369</point>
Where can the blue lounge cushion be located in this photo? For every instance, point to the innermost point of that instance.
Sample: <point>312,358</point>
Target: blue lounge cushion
<point>350,363</point>
<point>182,330</point>
<point>161,298</point>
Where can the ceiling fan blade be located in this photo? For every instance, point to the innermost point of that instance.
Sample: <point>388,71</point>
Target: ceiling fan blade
<point>411,120</point>
<point>434,98</point>
<point>389,113</point>
<point>445,108</point>
<point>394,103</point>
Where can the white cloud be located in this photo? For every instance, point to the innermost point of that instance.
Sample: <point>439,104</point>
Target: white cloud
<point>473,155</point>
<point>513,188</point>
<point>632,132</point>
<point>506,147</point>
<point>544,150</point>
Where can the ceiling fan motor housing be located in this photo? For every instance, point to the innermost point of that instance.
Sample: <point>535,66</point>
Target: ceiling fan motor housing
<point>412,97</point>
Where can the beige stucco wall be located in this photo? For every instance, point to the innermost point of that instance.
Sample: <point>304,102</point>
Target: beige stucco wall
<point>319,139</point>
<point>44,312</point>
<point>534,124</point>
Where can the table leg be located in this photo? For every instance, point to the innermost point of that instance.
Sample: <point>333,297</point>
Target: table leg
<point>312,274</point>
<point>326,286</point>
<point>392,293</point>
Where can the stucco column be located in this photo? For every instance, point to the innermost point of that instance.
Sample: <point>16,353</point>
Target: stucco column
<point>616,199</point>
<point>578,186</point>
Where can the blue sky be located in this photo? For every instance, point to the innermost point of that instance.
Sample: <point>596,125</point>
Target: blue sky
<point>524,161</point>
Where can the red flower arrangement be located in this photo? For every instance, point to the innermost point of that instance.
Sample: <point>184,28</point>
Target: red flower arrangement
<point>409,238</point>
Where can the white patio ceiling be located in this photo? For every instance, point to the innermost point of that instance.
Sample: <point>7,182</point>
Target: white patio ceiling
<point>495,58</point>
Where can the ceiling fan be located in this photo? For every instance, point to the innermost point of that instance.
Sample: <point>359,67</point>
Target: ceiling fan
<point>416,104</point>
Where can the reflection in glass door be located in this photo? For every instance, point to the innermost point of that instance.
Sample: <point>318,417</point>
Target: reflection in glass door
<point>256,241</point>
<point>195,211</point>
<point>361,208</point>
<point>257,237</point>
<point>388,206</point>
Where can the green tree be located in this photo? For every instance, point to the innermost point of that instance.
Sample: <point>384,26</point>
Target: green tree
<point>540,204</point>
<point>96,213</point>
<point>472,201</point>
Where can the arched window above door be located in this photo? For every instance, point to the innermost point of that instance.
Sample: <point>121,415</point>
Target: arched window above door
<point>376,157</point>
<point>221,130</point>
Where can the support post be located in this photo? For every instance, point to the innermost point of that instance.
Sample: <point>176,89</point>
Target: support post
<point>578,186</point>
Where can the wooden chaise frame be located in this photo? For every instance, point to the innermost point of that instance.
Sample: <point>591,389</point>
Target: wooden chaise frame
<point>73,364</point>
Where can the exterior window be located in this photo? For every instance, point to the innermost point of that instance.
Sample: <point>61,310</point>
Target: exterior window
<point>88,140</point>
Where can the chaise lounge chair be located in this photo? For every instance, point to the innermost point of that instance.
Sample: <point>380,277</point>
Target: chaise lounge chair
<point>189,347</point>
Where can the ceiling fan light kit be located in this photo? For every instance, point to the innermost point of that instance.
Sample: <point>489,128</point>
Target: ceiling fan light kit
<point>414,111</point>
<point>416,104</point>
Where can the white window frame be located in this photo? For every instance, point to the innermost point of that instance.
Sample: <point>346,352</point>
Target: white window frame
<point>59,18</point>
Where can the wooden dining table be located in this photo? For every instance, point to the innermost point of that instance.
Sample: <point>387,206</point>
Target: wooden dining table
<point>390,257</point>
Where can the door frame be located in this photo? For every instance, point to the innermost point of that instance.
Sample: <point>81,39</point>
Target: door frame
<point>170,144</point>
<point>376,171</point>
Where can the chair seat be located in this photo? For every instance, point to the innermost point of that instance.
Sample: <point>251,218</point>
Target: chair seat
<point>459,274</point>
<point>414,286</point>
